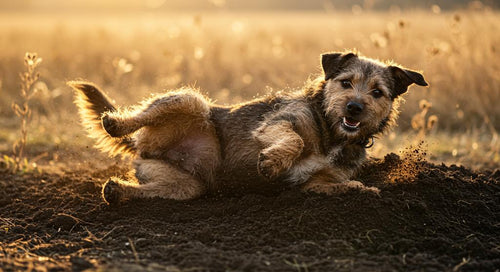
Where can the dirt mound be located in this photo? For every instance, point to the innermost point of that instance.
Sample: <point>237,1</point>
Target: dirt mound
<point>445,218</point>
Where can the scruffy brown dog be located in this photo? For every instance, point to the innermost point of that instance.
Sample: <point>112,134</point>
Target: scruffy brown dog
<point>185,146</point>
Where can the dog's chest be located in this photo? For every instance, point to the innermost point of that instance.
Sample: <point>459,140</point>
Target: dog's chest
<point>347,156</point>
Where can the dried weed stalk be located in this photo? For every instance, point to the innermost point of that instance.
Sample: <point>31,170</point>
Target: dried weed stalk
<point>18,163</point>
<point>422,123</point>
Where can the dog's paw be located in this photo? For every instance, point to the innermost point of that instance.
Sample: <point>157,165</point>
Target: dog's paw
<point>111,126</point>
<point>112,192</point>
<point>331,188</point>
<point>360,186</point>
<point>269,167</point>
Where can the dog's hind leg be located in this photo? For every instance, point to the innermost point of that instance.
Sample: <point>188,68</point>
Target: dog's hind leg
<point>180,105</point>
<point>156,179</point>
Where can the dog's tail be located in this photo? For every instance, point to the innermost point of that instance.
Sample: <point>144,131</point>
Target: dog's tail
<point>92,104</point>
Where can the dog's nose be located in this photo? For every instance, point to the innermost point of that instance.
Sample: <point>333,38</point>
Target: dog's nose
<point>354,108</point>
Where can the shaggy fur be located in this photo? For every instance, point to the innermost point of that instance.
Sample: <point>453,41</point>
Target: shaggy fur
<point>184,146</point>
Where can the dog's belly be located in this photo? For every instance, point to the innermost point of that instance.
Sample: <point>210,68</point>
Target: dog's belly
<point>197,153</point>
<point>192,151</point>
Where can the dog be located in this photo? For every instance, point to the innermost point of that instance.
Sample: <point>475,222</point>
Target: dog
<point>184,146</point>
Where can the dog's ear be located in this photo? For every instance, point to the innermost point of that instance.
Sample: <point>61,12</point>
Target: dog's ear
<point>333,63</point>
<point>404,78</point>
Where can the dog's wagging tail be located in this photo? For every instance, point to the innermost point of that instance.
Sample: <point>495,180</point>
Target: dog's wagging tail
<point>92,104</point>
<point>183,146</point>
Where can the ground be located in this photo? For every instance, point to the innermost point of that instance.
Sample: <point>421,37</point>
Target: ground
<point>427,217</point>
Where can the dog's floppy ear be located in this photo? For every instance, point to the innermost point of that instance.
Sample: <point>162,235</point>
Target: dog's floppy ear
<point>332,63</point>
<point>404,78</point>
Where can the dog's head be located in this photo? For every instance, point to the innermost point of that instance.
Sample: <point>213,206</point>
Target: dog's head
<point>360,94</point>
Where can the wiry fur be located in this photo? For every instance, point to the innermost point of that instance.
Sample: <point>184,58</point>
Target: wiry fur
<point>185,146</point>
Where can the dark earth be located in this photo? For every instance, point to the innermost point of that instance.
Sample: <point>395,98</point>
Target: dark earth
<point>427,218</point>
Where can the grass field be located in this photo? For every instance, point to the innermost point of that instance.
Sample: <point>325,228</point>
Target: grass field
<point>237,56</point>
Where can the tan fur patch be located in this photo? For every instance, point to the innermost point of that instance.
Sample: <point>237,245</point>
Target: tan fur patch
<point>307,167</point>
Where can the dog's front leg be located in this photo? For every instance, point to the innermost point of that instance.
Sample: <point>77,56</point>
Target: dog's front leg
<point>331,181</point>
<point>282,146</point>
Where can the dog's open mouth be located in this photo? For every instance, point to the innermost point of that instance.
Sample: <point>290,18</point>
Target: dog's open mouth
<point>350,124</point>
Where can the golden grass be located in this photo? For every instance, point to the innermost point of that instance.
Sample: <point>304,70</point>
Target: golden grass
<point>234,57</point>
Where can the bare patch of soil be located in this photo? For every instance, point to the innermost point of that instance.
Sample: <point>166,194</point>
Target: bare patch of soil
<point>446,218</point>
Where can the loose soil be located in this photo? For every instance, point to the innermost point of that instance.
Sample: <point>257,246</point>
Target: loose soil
<point>427,218</point>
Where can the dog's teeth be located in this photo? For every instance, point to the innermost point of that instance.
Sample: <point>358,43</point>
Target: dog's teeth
<point>349,124</point>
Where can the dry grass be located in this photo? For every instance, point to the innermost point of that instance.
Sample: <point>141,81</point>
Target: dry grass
<point>234,57</point>
<point>18,163</point>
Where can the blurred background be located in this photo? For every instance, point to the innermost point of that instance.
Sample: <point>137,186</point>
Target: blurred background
<point>237,5</point>
<point>234,50</point>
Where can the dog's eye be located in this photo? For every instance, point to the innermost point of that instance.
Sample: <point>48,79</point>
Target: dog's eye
<point>377,93</point>
<point>346,84</point>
